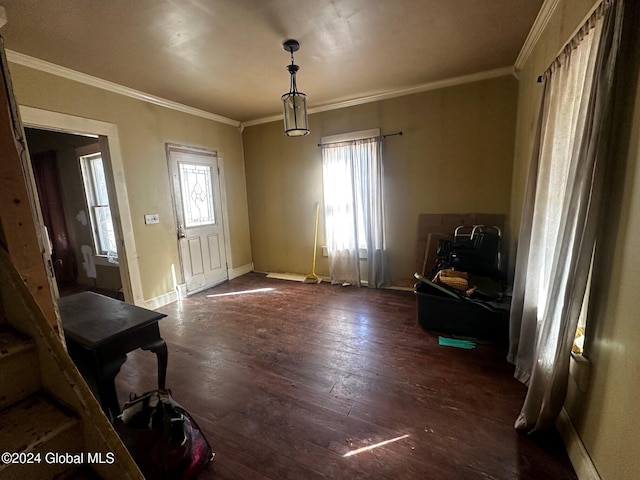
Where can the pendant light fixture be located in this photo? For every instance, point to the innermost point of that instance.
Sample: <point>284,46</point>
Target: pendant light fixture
<point>294,103</point>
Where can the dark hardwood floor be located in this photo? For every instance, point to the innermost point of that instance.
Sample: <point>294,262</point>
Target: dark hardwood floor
<point>286,381</point>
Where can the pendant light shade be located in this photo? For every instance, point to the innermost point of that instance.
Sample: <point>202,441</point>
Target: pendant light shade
<point>294,103</point>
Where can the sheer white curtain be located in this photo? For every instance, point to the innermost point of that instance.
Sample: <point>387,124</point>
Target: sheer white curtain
<point>354,210</point>
<point>560,216</point>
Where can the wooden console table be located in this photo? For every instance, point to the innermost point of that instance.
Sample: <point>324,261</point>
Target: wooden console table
<point>100,331</point>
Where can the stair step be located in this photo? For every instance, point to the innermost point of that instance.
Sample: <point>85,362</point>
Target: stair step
<point>19,368</point>
<point>37,426</point>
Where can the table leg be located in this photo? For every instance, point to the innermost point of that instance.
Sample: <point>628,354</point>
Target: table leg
<point>160,349</point>
<point>107,386</point>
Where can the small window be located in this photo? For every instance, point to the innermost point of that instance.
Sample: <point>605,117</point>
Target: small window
<point>347,162</point>
<point>95,188</point>
<point>197,194</point>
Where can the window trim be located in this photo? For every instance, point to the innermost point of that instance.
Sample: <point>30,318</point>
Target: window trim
<point>87,176</point>
<point>351,136</point>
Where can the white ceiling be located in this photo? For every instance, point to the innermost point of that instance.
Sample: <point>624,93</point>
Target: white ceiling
<point>226,57</point>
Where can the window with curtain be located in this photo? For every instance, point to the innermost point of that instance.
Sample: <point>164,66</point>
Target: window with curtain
<point>559,224</point>
<point>354,207</point>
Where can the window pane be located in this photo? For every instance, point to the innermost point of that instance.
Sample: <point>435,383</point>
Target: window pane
<point>99,182</point>
<point>104,229</point>
<point>197,195</point>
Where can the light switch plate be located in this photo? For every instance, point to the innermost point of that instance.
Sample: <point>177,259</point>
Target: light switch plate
<point>151,218</point>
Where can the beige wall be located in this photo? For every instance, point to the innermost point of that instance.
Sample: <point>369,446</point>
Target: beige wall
<point>455,156</point>
<point>143,130</point>
<point>607,416</point>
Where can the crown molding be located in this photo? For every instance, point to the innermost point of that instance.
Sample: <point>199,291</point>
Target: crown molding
<point>546,11</point>
<point>53,69</point>
<point>450,82</point>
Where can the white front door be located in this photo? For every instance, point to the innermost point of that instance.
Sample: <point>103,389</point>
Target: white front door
<point>198,207</point>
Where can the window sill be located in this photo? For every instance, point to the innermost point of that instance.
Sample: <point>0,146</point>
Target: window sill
<point>103,261</point>
<point>580,371</point>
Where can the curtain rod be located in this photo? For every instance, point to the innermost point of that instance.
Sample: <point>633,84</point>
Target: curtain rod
<point>581,25</point>
<point>392,134</point>
<point>381,136</point>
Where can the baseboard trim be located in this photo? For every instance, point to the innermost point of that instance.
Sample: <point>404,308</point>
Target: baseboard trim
<point>236,272</point>
<point>161,300</point>
<point>174,296</point>
<point>577,452</point>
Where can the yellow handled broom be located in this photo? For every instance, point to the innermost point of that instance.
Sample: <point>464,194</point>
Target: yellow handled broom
<point>312,277</point>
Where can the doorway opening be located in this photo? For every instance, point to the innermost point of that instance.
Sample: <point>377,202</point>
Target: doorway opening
<point>109,141</point>
<point>73,197</point>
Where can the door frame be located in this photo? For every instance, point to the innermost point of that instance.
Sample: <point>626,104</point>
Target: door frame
<point>112,157</point>
<point>169,147</point>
